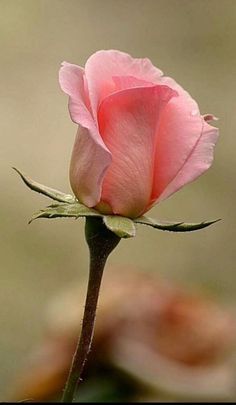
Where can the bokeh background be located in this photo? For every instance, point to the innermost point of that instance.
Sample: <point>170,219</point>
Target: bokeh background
<point>190,40</point>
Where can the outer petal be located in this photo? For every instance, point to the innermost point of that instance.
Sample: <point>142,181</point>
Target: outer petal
<point>103,65</point>
<point>198,161</point>
<point>89,163</point>
<point>71,79</point>
<point>168,81</point>
<point>128,122</point>
<point>179,131</point>
<point>90,157</point>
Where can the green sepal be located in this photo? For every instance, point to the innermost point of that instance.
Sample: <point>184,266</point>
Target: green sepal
<point>49,192</point>
<point>174,226</point>
<point>121,226</point>
<point>69,210</point>
<point>69,206</point>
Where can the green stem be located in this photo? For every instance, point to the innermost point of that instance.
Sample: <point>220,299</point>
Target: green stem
<point>101,242</point>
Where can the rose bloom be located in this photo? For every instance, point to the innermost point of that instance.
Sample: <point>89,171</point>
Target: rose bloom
<point>140,135</point>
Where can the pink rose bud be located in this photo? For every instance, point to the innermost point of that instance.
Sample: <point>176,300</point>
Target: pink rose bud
<point>141,136</point>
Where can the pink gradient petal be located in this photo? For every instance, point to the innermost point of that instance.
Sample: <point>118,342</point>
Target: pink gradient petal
<point>179,131</point>
<point>128,122</point>
<point>89,163</point>
<point>168,81</point>
<point>71,79</point>
<point>198,161</point>
<point>129,82</point>
<point>89,148</point>
<point>103,65</point>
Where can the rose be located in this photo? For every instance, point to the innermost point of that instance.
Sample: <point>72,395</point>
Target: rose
<point>141,137</point>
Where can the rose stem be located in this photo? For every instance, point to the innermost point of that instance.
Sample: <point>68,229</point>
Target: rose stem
<point>101,242</point>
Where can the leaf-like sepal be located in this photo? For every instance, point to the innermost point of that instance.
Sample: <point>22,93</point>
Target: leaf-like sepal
<point>69,210</point>
<point>121,226</point>
<point>49,192</point>
<point>174,226</point>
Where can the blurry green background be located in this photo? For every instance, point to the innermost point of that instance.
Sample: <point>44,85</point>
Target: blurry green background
<point>190,40</point>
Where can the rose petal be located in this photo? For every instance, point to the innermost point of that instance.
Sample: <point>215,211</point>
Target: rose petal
<point>90,157</point>
<point>179,131</point>
<point>103,65</point>
<point>89,163</point>
<point>129,82</point>
<point>71,79</point>
<point>128,122</point>
<point>198,161</point>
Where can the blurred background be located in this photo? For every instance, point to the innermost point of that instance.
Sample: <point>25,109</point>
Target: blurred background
<point>192,41</point>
